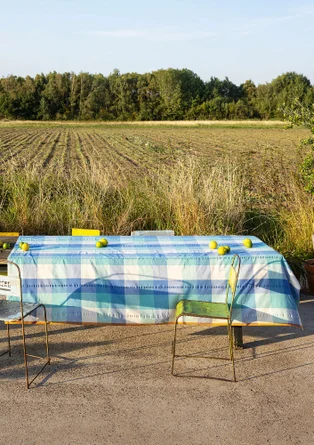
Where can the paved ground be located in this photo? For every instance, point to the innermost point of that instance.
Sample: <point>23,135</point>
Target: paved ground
<point>112,385</point>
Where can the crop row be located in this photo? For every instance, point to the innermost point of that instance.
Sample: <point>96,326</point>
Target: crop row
<point>134,150</point>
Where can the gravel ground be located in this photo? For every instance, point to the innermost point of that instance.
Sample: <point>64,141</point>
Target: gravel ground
<point>112,385</point>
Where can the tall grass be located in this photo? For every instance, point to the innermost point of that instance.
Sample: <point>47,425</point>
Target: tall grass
<point>196,198</point>
<point>297,218</point>
<point>192,198</point>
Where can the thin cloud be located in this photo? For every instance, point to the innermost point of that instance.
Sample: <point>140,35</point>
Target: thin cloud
<point>118,33</point>
<point>244,29</point>
<point>155,35</point>
<point>254,23</point>
<point>285,18</point>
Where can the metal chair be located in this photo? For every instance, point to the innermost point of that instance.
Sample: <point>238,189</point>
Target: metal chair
<point>5,237</point>
<point>17,311</point>
<point>204,309</point>
<point>85,232</point>
<point>152,233</point>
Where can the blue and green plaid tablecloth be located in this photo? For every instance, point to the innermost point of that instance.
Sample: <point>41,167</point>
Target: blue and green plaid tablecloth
<point>137,280</point>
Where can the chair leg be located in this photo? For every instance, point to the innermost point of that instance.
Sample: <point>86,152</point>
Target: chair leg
<point>230,349</point>
<point>46,335</point>
<point>9,342</point>
<point>7,351</point>
<point>28,383</point>
<point>25,354</point>
<point>174,345</point>
<point>230,335</point>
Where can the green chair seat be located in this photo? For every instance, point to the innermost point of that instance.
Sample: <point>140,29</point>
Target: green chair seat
<point>202,309</point>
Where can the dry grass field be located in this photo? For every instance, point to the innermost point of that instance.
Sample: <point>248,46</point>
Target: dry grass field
<point>195,178</point>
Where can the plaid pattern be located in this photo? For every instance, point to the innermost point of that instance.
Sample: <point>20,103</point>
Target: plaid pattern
<point>137,280</point>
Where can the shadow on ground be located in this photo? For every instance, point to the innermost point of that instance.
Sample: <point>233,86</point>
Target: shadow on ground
<point>78,348</point>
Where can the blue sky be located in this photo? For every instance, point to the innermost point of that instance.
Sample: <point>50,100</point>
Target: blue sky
<point>243,39</point>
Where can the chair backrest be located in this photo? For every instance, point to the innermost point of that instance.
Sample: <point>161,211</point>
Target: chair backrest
<point>152,233</point>
<point>85,232</point>
<point>6,237</point>
<point>9,234</point>
<point>233,279</point>
<point>12,286</point>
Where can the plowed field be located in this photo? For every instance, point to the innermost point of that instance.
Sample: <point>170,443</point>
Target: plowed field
<point>132,150</point>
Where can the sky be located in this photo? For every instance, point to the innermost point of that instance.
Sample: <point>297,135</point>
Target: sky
<point>238,39</point>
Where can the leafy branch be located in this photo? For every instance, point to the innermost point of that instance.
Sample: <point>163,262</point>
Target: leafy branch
<point>300,115</point>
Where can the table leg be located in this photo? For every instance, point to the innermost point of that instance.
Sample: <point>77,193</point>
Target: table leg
<point>238,337</point>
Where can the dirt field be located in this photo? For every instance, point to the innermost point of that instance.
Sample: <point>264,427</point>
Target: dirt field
<point>134,148</point>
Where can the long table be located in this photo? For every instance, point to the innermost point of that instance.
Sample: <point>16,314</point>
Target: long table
<point>139,280</point>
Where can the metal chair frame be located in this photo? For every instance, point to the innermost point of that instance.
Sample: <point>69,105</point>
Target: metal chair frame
<point>3,266</point>
<point>21,319</point>
<point>231,286</point>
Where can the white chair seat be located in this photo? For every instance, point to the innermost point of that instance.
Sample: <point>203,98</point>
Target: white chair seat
<point>11,310</point>
<point>152,233</point>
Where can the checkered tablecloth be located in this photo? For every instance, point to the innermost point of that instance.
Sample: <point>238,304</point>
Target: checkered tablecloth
<point>137,280</point>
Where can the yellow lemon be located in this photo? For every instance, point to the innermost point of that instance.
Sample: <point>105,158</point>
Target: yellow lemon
<point>104,242</point>
<point>213,244</point>
<point>227,248</point>
<point>21,244</point>
<point>222,250</point>
<point>25,247</point>
<point>248,243</point>
<point>99,244</point>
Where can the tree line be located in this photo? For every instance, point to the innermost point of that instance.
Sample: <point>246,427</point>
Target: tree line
<point>165,94</point>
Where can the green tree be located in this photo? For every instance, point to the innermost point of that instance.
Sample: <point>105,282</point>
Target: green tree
<point>85,81</point>
<point>54,103</point>
<point>99,99</point>
<point>289,86</point>
<point>301,115</point>
<point>265,101</point>
<point>168,84</point>
<point>238,110</point>
<point>222,88</point>
<point>18,98</point>
<point>163,94</point>
<point>150,107</point>
<point>6,101</point>
<point>217,108</point>
<point>248,89</point>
